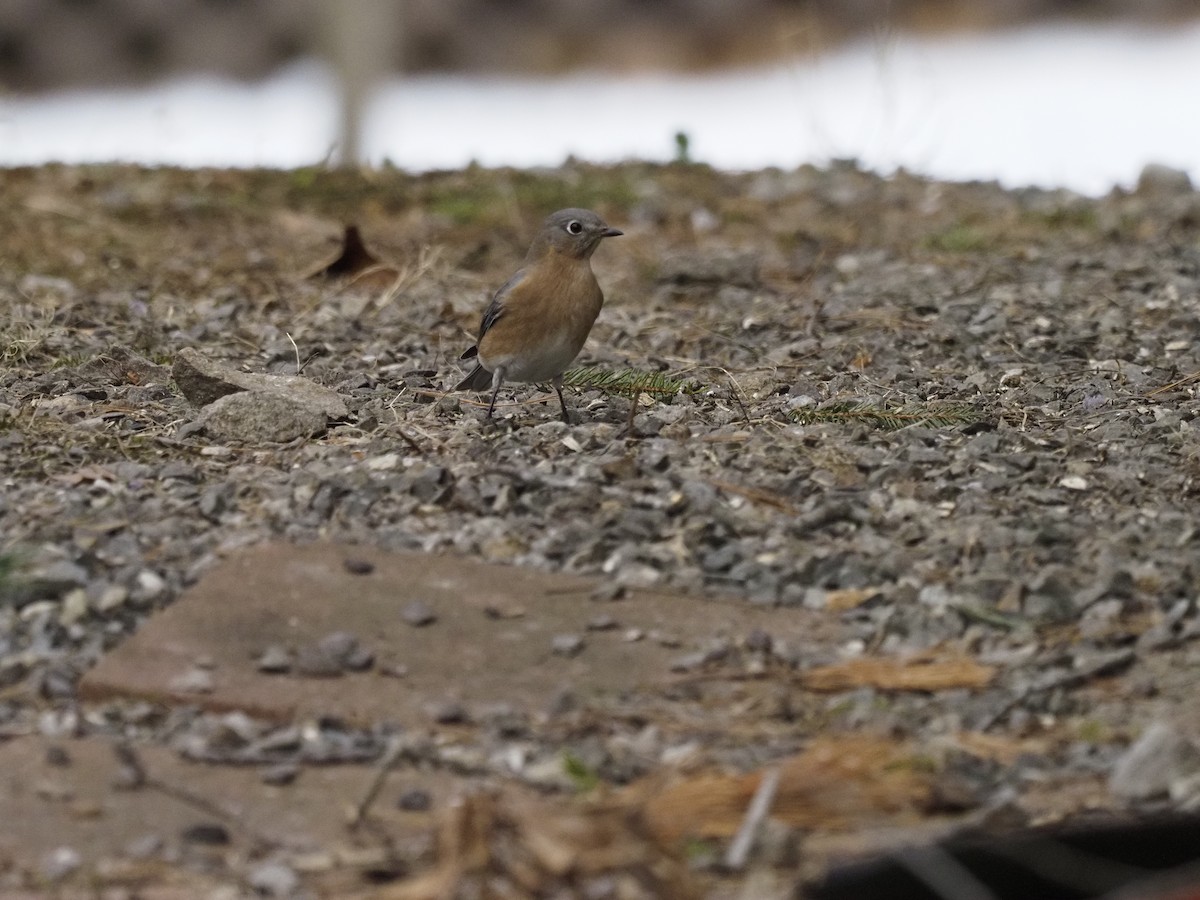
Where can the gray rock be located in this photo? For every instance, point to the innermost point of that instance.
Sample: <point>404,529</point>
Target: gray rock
<point>415,800</point>
<point>729,268</point>
<point>60,862</point>
<point>449,712</point>
<point>208,834</point>
<point>276,659</point>
<point>1160,758</point>
<point>204,381</point>
<point>280,775</point>
<point>312,661</point>
<point>146,846</point>
<point>418,614</point>
<point>261,417</point>
<point>274,879</point>
<point>193,681</point>
<point>567,644</point>
<point>51,580</point>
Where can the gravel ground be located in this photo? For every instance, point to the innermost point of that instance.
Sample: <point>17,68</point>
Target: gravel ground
<point>977,406</point>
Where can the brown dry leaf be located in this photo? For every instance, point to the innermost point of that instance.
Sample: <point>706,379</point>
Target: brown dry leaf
<point>85,474</point>
<point>849,598</point>
<point>530,846</point>
<point>838,782</point>
<point>382,277</point>
<point>861,360</point>
<point>353,259</point>
<point>914,674</point>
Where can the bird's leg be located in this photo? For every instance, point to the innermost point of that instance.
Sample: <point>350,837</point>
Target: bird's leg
<point>497,380</point>
<point>557,382</point>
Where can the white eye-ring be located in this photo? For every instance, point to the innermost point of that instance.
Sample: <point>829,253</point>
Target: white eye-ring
<point>575,227</point>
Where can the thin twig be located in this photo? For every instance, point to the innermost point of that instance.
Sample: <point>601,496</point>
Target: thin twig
<point>396,751</point>
<point>1105,665</point>
<point>756,812</point>
<point>1195,376</point>
<point>139,778</point>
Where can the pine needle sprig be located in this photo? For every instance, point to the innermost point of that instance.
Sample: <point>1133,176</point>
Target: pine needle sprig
<point>630,382</point>
<point>911,415</point>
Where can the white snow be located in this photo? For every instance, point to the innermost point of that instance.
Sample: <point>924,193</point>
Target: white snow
<point>1077,106</point>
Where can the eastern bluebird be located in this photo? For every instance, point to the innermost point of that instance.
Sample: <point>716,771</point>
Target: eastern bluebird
<point>537,323</point>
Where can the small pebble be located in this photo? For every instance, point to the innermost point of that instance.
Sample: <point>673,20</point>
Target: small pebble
<point>360,659</point>
<point>313,662</point>
<point>358,566</point>
<point>112,597</point>
<point>60,862</point>
<point>567,645</point>
<point>415,800</point>
<point>450,712</point>
<point>280,775</point>
<point>275,660</point>
<point>150,584</point>
<point>759,641</point>
<point>74,606</point>
<point>193,681</point>
<point>338,645</point>
<point>603,622</point>
<point>274,879</point>
<point>208,834</point>
<point>145,847</point>
<point>690,662</point>
<point>418,614</point>
<point>609,591</point>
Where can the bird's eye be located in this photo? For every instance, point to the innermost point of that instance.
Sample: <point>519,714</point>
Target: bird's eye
<point>575,226</point>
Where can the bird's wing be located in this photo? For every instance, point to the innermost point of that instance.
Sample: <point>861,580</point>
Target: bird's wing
<point>495,309</point>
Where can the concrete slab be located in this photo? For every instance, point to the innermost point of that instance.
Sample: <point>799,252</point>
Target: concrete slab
<point>492,639</point>
<point>65,794</point>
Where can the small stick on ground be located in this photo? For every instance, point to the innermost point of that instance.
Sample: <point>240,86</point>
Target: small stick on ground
<point>136,777</point>
<point>760,804</point>
<point>395,753</point>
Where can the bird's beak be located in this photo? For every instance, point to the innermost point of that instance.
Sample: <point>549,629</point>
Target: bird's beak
<point>611,232</point>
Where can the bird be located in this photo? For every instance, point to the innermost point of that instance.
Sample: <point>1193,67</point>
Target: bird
<point>537,323</point>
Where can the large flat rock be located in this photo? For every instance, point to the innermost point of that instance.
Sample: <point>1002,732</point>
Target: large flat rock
<point>492,641</point>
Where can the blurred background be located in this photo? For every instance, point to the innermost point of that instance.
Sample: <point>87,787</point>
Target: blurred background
<point>1074,93</point>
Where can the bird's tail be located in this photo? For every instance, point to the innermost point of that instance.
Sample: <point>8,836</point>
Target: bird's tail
<point>480,379</point>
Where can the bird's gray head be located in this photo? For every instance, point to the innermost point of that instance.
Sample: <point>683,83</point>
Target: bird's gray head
<point>572,232</point>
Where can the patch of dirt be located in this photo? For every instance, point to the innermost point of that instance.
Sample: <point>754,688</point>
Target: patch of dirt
<point>952,427</point>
